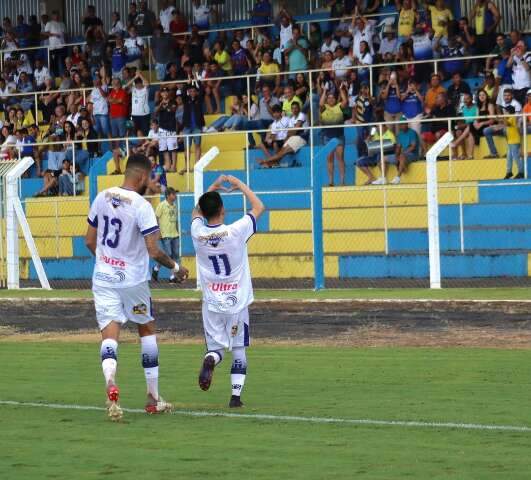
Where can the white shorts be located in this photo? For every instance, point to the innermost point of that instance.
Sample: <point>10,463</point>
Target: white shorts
<point>226,330</point>
<point>295,143</point>
<point>167,140</point>
<point>122,304</point>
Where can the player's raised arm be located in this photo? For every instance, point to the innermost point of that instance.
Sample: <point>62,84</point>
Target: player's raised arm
<point>217,185</point>
<point>257,207</point>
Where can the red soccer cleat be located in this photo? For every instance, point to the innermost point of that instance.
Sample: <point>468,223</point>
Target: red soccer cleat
<point>113,393</point>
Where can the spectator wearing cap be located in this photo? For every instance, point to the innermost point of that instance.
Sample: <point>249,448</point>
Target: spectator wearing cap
<point>520,61</point>
<point>512,133</point>
<point>118,112</point>
<point>162,51</point>
<point>193,119</point>
<point>340,65</point>
<point>499,128</point>
<point>388,46</point>
<point>434,90</point>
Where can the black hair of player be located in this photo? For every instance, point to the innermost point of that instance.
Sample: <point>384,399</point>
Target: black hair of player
<point>210,204</point>
<point>137,162</point>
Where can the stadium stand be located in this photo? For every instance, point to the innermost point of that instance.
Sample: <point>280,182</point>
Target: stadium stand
<point>169,96</point>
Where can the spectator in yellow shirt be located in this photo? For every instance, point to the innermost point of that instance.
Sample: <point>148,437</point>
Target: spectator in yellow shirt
<point>166,214</point>
<point>222,57</point>
<point>441,16</point>
<point>514,138</point>
<point>407,19</point>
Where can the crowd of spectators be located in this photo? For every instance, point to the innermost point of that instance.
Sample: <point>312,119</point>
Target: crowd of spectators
<point>120,100</point>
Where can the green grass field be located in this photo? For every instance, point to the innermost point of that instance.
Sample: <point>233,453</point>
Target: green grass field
<point>491,387</point>
<point>503,293</point>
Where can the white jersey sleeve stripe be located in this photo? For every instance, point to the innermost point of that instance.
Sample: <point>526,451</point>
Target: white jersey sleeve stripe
<point>254,221</point>
<point>148,231</point>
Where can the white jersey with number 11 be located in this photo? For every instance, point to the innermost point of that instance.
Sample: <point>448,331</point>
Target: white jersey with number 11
<point>223,263</point>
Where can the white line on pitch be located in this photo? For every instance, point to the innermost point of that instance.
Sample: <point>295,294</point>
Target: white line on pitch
<point>289,418</point>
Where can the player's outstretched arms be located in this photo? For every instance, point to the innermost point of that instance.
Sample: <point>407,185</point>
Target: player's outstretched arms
<point>152,245</point>
<point>257,207</point>
<point>217,185</point>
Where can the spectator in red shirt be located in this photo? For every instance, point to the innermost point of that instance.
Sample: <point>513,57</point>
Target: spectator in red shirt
<point>118,112</point>
<point>178,22</point>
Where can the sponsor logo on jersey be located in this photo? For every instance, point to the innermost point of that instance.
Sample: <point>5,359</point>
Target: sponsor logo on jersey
<point>105,277</point>
<point>223,287</point>
<point>116,198</point>
<point>213,239</point>
<point>140,309</point>
<point>234,330</point>
<point>113,262</point>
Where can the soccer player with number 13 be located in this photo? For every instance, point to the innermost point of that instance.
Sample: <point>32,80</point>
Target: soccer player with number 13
<point>122,234</point>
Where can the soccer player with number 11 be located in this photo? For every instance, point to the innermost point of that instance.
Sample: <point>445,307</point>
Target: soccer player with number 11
<point>225,279</point>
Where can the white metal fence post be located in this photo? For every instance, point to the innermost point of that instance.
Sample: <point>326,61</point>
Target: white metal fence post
<point>433,209</point>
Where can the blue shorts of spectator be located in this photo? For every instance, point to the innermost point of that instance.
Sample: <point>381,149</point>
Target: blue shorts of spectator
<point>102,125</point>
<point>196,132</point>
<point>171,247</point>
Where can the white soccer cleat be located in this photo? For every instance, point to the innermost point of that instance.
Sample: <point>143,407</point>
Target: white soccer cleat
<point>379,181</point>
<point>114,411</point>
<point>395,181</point>
<point>157,406</point>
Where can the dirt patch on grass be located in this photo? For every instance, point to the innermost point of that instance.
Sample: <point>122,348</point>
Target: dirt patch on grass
<point>498,324</point>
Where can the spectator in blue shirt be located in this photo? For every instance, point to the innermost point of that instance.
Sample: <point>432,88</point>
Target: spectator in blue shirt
<point>119,57</point>
<point>241,64</point>
<point>261,13</point>
<point>413,106</point>
<point>296,51</point>
<point>22,31</point>
<point>407,150</point>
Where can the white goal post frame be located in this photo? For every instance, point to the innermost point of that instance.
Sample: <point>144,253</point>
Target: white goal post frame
<point>433,208</point>
<point>15,217</point>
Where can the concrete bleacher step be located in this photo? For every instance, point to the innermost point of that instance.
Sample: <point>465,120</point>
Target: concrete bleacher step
<point>416,265</point>
<point>395,195</point>
<point>224,141</point>
<point>50,207</point>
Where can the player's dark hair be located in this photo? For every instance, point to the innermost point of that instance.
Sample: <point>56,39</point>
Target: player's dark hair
<point>170,191</point>
<point>137,163</point>
<point>210,204</point>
